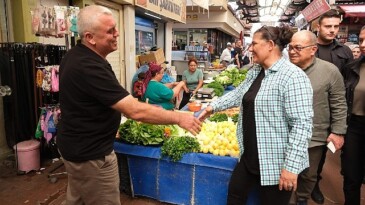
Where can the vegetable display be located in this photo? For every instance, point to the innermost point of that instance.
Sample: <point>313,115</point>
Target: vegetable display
<point>219,138</point>
<point>235,118</point>
<point>218,88</point>
<point>219,117</point>
<point>176,147</point>
<point>231,76</point>
<point>141,133</point>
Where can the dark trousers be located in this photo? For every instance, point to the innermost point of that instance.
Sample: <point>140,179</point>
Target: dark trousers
<point>243,182</point>
<point>185,99</point>
<point>307,179</point>
<point>352,160</point>
<point>321,163</point>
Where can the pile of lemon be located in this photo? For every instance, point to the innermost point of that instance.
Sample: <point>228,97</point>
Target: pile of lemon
<point>219,138</point>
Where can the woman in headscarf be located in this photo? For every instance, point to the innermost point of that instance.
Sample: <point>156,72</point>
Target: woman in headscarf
<point>157,93</point>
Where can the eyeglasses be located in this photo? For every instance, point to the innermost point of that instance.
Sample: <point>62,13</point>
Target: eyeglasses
<point>298,48</point>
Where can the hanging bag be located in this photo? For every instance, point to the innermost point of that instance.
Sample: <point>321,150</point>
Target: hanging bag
<point>55,79</point>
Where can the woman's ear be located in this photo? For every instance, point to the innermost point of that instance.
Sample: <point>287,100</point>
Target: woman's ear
<point>272,44</point>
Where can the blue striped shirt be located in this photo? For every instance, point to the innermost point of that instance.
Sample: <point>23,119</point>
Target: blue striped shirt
<point>283,114</point>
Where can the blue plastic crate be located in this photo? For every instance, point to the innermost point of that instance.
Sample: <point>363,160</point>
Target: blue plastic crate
<point>197,179</point>
<point>143,172</point>
<point>175,182</point>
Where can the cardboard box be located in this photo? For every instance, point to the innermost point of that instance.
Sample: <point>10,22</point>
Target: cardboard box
<point>154,56</point>
<point>197,179</point>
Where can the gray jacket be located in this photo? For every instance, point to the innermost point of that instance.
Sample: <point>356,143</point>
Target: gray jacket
<point>329,103</point>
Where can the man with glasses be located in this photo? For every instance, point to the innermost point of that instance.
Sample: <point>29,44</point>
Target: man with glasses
<point>334,52</point>
<point>329,105</point>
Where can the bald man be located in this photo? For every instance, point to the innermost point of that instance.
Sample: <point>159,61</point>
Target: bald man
<point>329,105</point>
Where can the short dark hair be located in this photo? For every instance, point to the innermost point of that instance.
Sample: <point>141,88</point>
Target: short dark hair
<point>333,13</point>
<point>192,60</point>
<point>141,75</point>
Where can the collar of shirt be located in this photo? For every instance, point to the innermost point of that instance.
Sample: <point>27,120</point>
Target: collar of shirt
<point>273,68</point>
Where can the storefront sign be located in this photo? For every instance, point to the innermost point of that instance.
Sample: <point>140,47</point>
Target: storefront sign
<point>173,9</point>
<point>315,9</point>
<point>192,17</point>
<point>300,21</point>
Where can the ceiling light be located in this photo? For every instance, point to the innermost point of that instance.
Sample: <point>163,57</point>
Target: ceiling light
<point>148,14</point>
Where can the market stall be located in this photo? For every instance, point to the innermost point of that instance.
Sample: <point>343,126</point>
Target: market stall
<point>167,163</point>
<point>196,179</point>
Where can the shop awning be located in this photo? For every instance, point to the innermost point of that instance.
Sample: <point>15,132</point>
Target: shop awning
<point>201,3</point>
<point>353,10</point>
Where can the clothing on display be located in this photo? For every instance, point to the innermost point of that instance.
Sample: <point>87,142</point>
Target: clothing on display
<point>23,73</point>
<point>56,21</point>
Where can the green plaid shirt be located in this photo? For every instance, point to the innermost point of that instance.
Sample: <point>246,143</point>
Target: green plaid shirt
<point>283,115</point>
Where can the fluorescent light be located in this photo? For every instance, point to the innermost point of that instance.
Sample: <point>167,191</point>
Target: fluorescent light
<point>148,14</point>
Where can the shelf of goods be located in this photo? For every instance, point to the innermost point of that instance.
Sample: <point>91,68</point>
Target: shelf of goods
<point>180,59</point>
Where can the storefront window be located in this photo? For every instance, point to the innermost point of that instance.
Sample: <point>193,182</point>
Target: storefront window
<point>198,37</point>
<point>181,40</point>
<point>145,35</point>
<point>144,41</point>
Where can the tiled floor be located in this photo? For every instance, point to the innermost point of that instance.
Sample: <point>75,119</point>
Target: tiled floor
<point>35,188</point>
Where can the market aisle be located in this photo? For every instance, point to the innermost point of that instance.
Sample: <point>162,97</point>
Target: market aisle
<point>331,184</point>
<point>35,187</point>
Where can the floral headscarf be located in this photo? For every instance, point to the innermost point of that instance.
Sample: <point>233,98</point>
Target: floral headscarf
<point>152,71</point>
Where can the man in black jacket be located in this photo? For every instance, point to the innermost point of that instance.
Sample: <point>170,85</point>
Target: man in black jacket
<point>332,51</point>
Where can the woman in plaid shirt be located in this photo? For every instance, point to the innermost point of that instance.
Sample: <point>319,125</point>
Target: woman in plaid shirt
<point>275,122</point>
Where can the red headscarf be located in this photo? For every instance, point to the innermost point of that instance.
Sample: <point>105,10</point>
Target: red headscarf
<point>152,71</point>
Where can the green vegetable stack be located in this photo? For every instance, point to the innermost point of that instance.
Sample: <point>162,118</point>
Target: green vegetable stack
<point>141,133</point>
<point>219,117</point>
<point>176,147</point>
<point>235,118</point>
<point>231,76</point>
<point>218,88</point>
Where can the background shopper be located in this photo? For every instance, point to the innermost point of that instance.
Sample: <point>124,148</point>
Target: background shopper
<point>225,57</point>
<point>329,49</point>
<point>355,48</point>
<point>353,152</point>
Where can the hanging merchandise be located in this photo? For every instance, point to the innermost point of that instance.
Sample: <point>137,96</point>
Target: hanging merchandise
<point>54,79</point>
<point>35,21</point>
<point>47,78</point>
<point>24,72</point>
<point>40,76</point>
<point>46,86</point>
<point>61,20</point>
<point>73,20</point>
<point>56,21</point>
